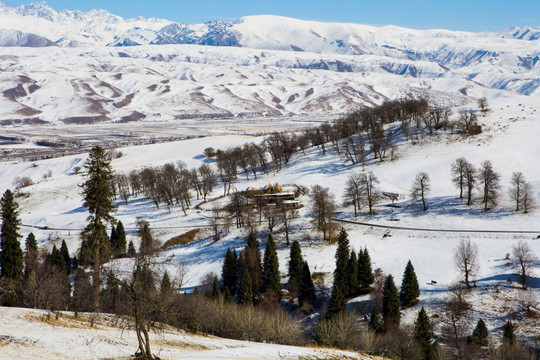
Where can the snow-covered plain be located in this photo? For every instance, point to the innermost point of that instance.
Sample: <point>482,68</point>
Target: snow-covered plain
<point>509,141</point>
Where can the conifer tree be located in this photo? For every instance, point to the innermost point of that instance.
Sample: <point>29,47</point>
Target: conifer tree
<point>424,335</point>
<point>365,272</point>
<point>131,252</point>
<point>352,274</point>
<point>96,191</point>
<point>245,293</point>
<point>375,321</point>
<point>82,292</point>
<point>216,291</point>
<point>112,297</point>
<point>166,287</point>
<point>295,265</point>
<point>113,240</point>
<point>120,246</point>
<point>31,256</point>
<point>342,260</point>
<point>227,296</point>
<point>252,241</point>
<point>337,304</point>
<point>250,260</point>
<point>229,271</point>
<point>390,310</point>
<point>509,338</point>
<point>271,279</point>
<point>480,334</point>
<point>65,254</point>
<point>410,290</point>
<point>147,241</point>
<point>57,259</point>
<point>11,254</point>
<point>306,289</point>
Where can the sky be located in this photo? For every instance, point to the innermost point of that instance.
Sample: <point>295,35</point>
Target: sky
<point>467,15</point>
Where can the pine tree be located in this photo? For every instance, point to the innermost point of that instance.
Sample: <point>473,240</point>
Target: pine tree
<point>390,310</point>
<point>424,335</point>
<point>112,297</point>
<point>82,292</point>
<point>410,290</point>
<point>96,191</point>
<point>65,254</point>
<point>31,256</point>
<point>131,252</point>
<point>352,274</point>
<point>229,270</point>
<point>509,338</point>
<point>342,260</point>
<point>245,293</point>
<point>271,279</point>
<point>147,241</point>
<point>337,304</point>
<point>120,247</point>
<point>306,289</point>
<point>295,265</point>
<point>55,258</point>
<point>375,321</point>
<point>11,254</point>
<point>216,291</point>
<point>166,289</point>
<point>252,241</point>
<point>227,297</point>
<point>113,240</point>
<point>365,272</point>
<point>480,334</point>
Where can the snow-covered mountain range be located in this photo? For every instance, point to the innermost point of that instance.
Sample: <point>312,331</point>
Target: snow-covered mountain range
<point>109,68</point>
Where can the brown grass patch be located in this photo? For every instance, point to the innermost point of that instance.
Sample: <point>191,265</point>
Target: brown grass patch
<point>180,240</point>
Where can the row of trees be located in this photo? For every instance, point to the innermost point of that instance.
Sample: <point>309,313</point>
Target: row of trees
<point>466,177</point>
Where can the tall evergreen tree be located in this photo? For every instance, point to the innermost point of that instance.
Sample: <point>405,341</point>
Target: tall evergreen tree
<point>342,260</point>
<point>365,272</point>
<point>82,292</point>
<point>166,288</point>
<point>337,304</point>
<point>410,290</point>
<point>390,310</point>
<point>375,321</point>
<point>271,279</point>
<point>216,291</point>
<point>113,240</point>
<point>229,271</point>
<point>295,265</point>
<point>112,297</point>
<point>131,252</point>
<point>31,256</point>
<point>65,254</point>
<point>250,260</point>
<point>55,258</point>
<point>11,254</point>
<point>352,275</point>
<point>244,294</point>
<point>423,333</point>
<point>509,338</point>
<point>147,241</point>
<point>120,246</point>
<point>479,335</point>
<point>96,191</point>
<point>252,241</point>
<point>306,289</point>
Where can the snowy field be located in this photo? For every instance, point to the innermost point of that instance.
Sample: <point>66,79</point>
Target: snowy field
<point>509,140</point>
<point>30,334</point>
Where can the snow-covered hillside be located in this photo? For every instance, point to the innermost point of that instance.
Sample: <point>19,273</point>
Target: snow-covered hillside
<point>509,140</point>
<point>29,334</point>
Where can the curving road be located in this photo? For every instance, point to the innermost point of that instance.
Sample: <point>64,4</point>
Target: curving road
<point>391,227</point>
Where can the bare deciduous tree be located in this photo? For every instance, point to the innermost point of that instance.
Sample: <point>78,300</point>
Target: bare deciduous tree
<point>466,260</point>
<point>421,188</point>
<point>458,174</point>
<point>323,208</point>
<point>523,261</point>
<point>470,180</point>
<point>521,192</point>
<point>490,182</point>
